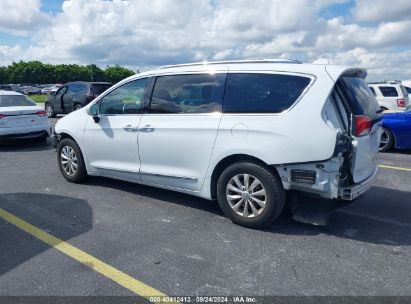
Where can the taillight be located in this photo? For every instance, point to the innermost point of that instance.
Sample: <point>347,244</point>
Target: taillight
<point>401,102</point>
<point>41,113</point>
<point>2,116</point>
<point>362,125</point>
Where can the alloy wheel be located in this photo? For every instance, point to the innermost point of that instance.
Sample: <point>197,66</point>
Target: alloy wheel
<point>246,195</point>
<point>69,160</point>
<point>385,139</point>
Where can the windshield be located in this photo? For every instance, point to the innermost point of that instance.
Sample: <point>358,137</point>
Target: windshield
<point>15,101</point>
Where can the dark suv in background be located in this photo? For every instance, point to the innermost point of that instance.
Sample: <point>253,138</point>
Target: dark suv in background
<point>73,96</point>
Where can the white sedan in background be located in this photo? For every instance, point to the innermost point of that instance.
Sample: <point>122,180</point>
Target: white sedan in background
<point>21,117</point>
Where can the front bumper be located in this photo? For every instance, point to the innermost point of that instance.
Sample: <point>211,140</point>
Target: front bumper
<point>351,192</point>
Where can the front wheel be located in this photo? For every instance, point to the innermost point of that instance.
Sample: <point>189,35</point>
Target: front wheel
<point>386,141</point>
<point>250,194</point>
<point>50,111</point>
<point>70,161</point>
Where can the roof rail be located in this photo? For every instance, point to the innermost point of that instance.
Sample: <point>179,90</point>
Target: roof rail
<point>292,61</point>
<point>386,81</point>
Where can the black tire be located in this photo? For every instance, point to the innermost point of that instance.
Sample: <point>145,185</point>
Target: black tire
<point>51,113</point>
<point>388,139</point>
<point>80,174</point>
<point>270,182</point>
<point>77,106</point>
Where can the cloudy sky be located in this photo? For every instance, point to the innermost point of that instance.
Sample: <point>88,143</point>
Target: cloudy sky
<point>140,34</point>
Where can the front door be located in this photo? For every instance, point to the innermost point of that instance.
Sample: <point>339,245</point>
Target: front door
<point>57,99</point>
<point>111,143</point>
<point>176,138</point>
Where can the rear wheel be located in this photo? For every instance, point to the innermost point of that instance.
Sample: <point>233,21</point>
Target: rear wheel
<point>70,161</point>
<point>77,106</point>
<point>250,195</point>
<point>50,111</point>
<point>386,141</point>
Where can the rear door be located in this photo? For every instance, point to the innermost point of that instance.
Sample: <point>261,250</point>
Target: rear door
<point>68,97</point>
<point>364,122</point>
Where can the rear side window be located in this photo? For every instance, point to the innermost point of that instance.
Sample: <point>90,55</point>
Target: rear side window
<point>359,96</point>
<point>15,101</point>
<point>97,89</point>
<point>388,91</point>
<point>262,93</point>
<point>187,94</point>
<point>408,90</point>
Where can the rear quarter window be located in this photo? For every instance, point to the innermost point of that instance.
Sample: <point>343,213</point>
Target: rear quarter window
<point>97,89</point>
<point>388,91</point>
<point>262,93</point>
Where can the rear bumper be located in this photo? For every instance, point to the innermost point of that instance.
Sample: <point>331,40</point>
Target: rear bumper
<point>25,135</point>
<point>353,191</point>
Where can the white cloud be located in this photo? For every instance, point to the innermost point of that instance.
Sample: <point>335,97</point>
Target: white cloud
<point>144,33</point>
<point>382,10</point>
<point>21,17</point>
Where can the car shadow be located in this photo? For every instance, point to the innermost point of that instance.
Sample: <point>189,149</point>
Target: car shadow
<point>28,145</point>
<point>167,196</point>
<point>378,217</point>
<point>61,216</point>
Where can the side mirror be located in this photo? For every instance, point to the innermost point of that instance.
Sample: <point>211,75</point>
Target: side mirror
<point>93,111</point>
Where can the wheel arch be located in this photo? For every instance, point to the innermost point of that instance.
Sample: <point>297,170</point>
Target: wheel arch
<point>229,160</point>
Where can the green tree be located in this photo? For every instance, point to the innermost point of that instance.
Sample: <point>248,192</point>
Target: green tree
<point>4,75</point>
<point>116,73</point>
<point>37,72</point>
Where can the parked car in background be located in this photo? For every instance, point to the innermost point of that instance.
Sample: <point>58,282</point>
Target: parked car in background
<point>10,87</point>
<point>396,131</point>
<point>242,132</point>
<point>30,90</point>
<point>73,96</point>
<point>391,95</point>
<point>20,117</point>
<point>54,88</point>
<point>408,89</point>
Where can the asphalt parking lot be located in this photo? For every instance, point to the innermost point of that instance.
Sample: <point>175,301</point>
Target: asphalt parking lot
<point>182,245</point>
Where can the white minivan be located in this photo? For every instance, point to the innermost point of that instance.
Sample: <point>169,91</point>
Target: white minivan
<point>242,132</point>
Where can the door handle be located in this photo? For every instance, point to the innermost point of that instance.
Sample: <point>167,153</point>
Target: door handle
<point>147,128</point>
<point>130,128</point>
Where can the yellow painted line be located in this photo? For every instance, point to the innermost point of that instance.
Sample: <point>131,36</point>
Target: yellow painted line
<point>106,270</point>
<point>394,168</point>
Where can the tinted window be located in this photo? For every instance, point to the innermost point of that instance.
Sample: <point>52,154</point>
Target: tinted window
<point>408,90</point>
<point>186,94</point>
<point>97,89</point>
<point>15,101</point>
<point>259,93</point>
<point>373,91</point>
<point>79,88</point>
<point>62,90</point>
<point>72,88</point>
<point>126,99</point>
<point>404,91</point>
<point>388,91</point>
<point>359,96</point>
